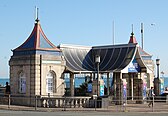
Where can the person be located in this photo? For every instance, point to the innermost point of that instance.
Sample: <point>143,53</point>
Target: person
<point>7,91</point>
<point>151,95</point>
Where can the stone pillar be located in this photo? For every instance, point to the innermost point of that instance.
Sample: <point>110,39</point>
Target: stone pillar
<point>138,90</point>
<point>72,84</point>
<point>108,87</point>
<point>94,87</point>
<point>114,85</point>
<point>119,88</point>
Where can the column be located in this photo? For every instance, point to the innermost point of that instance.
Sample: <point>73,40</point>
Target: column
<point>114,84</point>
<point>119,88</point>
<point>72,84</point>
<point>108,89</point>
<point>132,87</point>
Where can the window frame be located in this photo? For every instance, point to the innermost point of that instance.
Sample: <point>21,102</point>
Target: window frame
<point>22,83</point>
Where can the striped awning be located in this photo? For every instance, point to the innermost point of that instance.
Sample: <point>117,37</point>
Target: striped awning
<point>113,57</point>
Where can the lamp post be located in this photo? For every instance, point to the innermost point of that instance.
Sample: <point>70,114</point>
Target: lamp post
<point>158,63</point>
<point>97,61</point>
<point>157,79</point>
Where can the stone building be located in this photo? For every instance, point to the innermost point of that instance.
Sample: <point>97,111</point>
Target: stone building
<point>36,68</point>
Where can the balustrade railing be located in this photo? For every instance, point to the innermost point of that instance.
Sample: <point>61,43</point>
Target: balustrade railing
<point>160,103</point>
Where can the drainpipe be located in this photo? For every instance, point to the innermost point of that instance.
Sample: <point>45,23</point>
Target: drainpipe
<point>40,73</point>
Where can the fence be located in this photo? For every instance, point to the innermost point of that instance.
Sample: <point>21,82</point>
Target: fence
<point>54,103</point>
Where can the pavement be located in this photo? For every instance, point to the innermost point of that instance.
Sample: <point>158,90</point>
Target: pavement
<point>158,107</point>
<point>77,113</point>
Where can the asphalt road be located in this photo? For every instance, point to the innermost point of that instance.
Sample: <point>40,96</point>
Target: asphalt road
<point>79,113</point>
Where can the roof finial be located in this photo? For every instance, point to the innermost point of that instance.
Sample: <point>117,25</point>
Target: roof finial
<point>37,20</point>
<point>132,34</point>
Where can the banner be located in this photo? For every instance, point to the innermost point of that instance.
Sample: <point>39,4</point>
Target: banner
<point>124,90</point>
<point>134,66</point>
<point>89,88</point>
<point>101,90</point>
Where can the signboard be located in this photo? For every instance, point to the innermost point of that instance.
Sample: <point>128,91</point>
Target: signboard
<point>50,62</point>
<point>89,87</point>
<point>101,90</point>
<point>101,87</point>
<point>134,66</point>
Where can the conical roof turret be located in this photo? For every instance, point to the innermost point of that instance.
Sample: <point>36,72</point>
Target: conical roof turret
<point>37,40</point>
<point>132,38</point>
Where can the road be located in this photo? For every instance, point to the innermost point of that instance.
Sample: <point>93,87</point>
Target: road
<point>78,113</point>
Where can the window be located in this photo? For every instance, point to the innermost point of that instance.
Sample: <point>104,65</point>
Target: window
<point>49,85</point>
<point>22,83</point>
<point>50,82</point>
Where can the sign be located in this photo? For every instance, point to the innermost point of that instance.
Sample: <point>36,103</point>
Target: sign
<point>101,90</point>
<point>134,66</point>
<point>89,87</point>
<point>51,62</point>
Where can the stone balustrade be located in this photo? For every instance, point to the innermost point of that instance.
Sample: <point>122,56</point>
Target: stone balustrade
<point>60,102</point>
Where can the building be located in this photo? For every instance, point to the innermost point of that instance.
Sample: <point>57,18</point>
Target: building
<point>37,68</point>
<point>131,66</point>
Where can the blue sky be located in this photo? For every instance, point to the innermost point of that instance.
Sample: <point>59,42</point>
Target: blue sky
<point>85,22</point>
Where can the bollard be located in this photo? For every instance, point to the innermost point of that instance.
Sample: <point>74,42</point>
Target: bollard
<point>35,102</point>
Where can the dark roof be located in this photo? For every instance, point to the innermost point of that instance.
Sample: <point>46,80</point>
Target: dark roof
<point>78,58</point>
<point>37,41</point>
<point>113,57</point>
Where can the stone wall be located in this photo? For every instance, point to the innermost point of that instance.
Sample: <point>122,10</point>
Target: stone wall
<point>35,68</point>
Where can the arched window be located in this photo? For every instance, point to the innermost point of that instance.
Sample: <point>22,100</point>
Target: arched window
<point>22,83</point>
<point>50,82</point>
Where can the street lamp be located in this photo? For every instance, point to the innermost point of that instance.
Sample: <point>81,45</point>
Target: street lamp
<point>158,63</point>
<point>157,80</point>
<point>97,61</point>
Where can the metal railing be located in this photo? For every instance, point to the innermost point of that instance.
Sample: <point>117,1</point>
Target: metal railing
<point>160,103</point>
